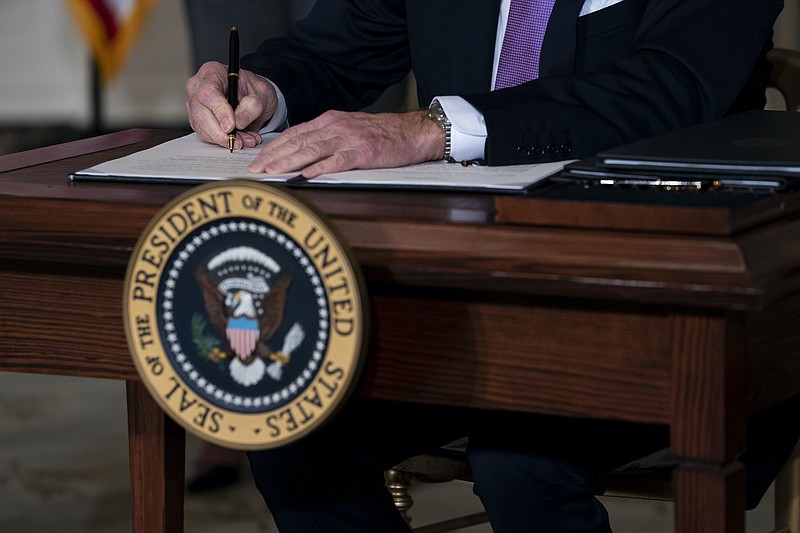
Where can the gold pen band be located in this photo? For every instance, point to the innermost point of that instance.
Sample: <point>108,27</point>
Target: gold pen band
<point>233,74</point>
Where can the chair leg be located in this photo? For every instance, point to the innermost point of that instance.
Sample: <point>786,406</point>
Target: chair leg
<point>787,495</point>
<point>398,484</point>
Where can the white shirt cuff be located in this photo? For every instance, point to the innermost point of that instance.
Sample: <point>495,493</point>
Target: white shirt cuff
<point>280,119</point>
<point>468,128</point>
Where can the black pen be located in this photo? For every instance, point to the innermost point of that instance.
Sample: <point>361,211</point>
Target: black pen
<point>233,79</point>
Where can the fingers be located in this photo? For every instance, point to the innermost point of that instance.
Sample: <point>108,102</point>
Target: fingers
<point>248,139</point>
<point>314,152</point>
<point>338,161</point>
<point>257,101</point>
<point>337,141</point>
<point>210,114</point>
<point>206,106</point>
<point>296,148</point>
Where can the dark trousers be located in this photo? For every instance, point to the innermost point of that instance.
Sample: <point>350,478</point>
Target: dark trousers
<point>531,472</point>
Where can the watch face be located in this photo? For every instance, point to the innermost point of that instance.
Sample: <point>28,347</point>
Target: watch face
<point>437,113</point>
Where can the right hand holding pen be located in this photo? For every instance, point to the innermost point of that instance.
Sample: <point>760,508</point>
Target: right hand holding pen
<point>212,118</point>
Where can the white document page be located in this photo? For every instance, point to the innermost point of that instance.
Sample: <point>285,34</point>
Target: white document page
<point>190,159</point>
<point>186,158</point>
<point>439,174</point>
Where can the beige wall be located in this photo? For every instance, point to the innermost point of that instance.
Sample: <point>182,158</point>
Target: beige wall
<point>787,29</point>
<point>46,69</point>
<point>45,66</point>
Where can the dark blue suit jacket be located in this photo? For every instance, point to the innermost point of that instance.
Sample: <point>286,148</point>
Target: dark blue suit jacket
<point>632,70</point>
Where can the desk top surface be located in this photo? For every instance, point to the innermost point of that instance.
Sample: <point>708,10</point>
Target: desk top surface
<point>522,244</point>
<point>527,267</point>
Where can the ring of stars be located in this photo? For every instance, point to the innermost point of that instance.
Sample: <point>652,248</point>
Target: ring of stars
<point>180,358</point>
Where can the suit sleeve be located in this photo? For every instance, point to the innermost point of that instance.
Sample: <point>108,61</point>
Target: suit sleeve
<point>688,62</point>
<point>342,56</point>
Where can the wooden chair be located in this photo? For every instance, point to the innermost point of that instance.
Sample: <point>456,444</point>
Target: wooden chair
<point>450,464</point>
<point>443,466</point>
<point>647,483</point>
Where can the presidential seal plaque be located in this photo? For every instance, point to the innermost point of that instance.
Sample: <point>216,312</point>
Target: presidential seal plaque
<point>245,314</point>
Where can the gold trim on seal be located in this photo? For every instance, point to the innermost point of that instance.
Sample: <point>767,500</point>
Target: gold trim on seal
<point>291,412</point>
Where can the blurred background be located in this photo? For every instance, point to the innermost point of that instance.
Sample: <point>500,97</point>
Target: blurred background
<point>47,82</point>
<point>55,88</point>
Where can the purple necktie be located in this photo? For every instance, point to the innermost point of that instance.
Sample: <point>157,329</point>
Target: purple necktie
<point>522,42</point>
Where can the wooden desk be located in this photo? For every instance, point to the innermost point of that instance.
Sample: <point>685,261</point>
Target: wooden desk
<point>656,314</point>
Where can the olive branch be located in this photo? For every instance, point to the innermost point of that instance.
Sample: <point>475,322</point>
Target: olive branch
<point>207,345</point>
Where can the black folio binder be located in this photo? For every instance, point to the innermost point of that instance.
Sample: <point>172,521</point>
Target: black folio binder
<point>753,151</point>
<point>593,172</point>
<point>732,162</point>
<point>757,143</point>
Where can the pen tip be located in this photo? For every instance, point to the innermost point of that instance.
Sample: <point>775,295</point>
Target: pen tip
<point>234,28</point>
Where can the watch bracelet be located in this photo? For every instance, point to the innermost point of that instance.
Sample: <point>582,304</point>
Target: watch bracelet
<point>436,114</point>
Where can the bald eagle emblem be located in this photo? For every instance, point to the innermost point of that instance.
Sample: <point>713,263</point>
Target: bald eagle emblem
<point>245,296</point>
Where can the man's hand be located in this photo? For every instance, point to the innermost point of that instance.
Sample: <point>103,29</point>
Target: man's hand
<point>337,141</point>
<point>211,116</point>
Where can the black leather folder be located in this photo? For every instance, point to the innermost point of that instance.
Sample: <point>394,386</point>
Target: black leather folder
<point>759,144</point>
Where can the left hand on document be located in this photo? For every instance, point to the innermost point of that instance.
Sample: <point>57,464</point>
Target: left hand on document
<point>337,141</point>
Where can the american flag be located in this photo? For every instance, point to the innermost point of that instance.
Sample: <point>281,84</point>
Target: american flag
<point>111,28</point>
